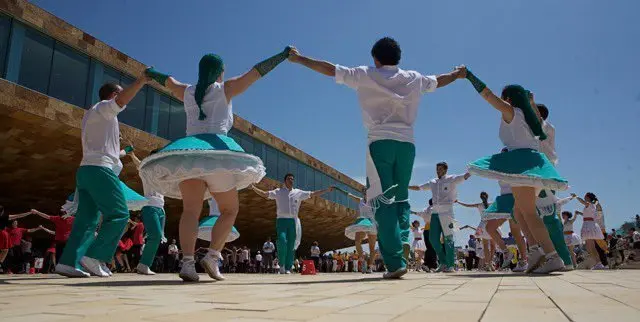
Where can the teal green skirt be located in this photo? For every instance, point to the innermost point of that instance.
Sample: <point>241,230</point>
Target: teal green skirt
<point>501,208</point>
<point>362,225</point>
<point>520,168</point>
<point>207,223</point>
<point>213,158</point>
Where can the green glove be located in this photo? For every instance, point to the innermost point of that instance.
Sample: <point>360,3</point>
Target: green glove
<point>156,75</point>
<point>477,83</point>
<point>267,65</point>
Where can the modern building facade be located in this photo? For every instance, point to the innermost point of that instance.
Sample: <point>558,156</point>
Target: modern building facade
<point>51,71</point>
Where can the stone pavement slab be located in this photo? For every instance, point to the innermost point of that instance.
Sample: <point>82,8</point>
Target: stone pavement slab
<point>463,296</point>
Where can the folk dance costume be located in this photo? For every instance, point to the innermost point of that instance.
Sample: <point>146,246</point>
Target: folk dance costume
<point>418,243</point>
<point>430,256</point>
<point>288,227</point>
<point>207,223</point>
<point>153,219</point>
<point>364,223</point>
<point>98,191</point>
<point>590,227</point>
<point>481,231</point>
<point>445,193</point>
<point>502,207</point>
<point>570,237</point>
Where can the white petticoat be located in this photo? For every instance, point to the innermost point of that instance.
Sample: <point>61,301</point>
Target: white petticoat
<point>591,230</point>
<point>418,244</point>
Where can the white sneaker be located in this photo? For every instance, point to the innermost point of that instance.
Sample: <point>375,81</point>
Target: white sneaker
<point>68,271</point>
<point>93,266</point>
<point>143,269</point>
<point>568,268</point>
<point>440,268</point>
<point>106,269</point>
<point>551,264</point>
<point>449,270</point>
<point>188,271</point>
<point>369,270</point>
<point>282,271</point>
<point>535,258</point>
<point>395,275</point>
<point>520,267</point>
<point>598,266</point>
<point>287,272</point>
<point>210,263</point>
<point>507,258</point>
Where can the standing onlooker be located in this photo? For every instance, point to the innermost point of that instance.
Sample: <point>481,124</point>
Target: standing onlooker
<point>268,249</point>
<point>174,253</point>
<point>137,237</point>
<point>472,260</point>
<point>259,262</point>
<point>315,255</point>
<point>62,229</point>
<point>244,259</point>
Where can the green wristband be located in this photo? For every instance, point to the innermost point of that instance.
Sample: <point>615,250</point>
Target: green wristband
<point>156,75</point>
<point>267,65</point>
<point>128,149</point>
<point>476,82</point>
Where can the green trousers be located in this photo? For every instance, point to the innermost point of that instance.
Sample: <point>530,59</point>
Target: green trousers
<point>153,220</point>
<point>554,227</point>
<point>99,190</point>
<point>286,230</point>
<point>443,226</point>
<point>393,161</point>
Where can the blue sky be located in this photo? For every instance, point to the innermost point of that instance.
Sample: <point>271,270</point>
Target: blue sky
<point>579,57</point>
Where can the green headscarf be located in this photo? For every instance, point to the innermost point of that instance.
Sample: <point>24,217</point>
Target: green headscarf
<point>520,99</point>
<point>210,68</point>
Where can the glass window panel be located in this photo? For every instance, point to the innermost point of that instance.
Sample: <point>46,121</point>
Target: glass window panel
<point>318,184</point>
<point>310,178</point>
<point>69,75</point>
<point>177,121</point>
<point>134,114</point>
<point>247,144</point>
<point>258,150</point>
<point>164,112</point>
<point>110,75</point>
<point>35,65</point>
<point>5,29</point>
<point>293,168</point>
<point>272,162</point>
<point>302,177</point>
<point>283,166</point>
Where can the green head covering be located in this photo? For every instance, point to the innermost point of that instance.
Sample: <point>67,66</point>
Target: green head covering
<point>210,68</point>
<point>520,99</point>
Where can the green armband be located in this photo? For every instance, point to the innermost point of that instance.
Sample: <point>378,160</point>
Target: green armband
<point>477,83</point>
<point>270,63</point>
<point>128,149</point>
<point>156,75</point>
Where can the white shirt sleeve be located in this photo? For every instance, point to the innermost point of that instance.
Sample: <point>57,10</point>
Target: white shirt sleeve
<point>429,83</point>
<point>459,178</point>
<point>564,201</point>
<point>272,194</point>
<point>304,195</point>
<point>109,109</point>
<point>426,186</point>
<point>350,76</point>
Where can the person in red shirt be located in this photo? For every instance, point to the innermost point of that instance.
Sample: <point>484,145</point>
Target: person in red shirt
<point>15,236</point>
<point>62,226</point>
<point>137,237</point>
<point>5,239</point>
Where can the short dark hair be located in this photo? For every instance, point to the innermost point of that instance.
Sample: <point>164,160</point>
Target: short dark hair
<point>286,176</point>
<point>106,90</point>
<point>568,213</point>
<point>386,51</point>
<point>544,111</point>
<point>431,202</point>
<point>442,164</point>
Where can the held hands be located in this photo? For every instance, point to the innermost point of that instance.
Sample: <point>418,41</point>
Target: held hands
<point>573,195</point>
<point>144,77</point>
<point>294,54</point>
<point>461,71</point>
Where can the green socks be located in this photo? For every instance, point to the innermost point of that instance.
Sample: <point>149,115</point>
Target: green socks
<point>477,83</point>
<point>156,75</point>
<point>270,63</point>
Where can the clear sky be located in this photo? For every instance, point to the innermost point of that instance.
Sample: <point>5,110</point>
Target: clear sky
<point>580,58</point>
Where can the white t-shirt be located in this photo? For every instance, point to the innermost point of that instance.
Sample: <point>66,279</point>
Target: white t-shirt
<point>315,251</point>
<point>259,258</point>
<point>219,112</point>
<point>389,98</point>
<point>101,136</point>
<point>548,146</point>
<point>517,134</point>
<point>444,190</point>
<point>244,256</point>
<point>288,201</point>
<point>268,247</point>
<point>173,249</point>
<point>636,236</point>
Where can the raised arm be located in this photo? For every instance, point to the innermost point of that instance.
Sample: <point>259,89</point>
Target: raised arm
<point>175,87</point>
<point>130,92</point>
<point>321,192</point>
<point>18,216</point>
<point>446,79</point>
<point>47,230</point>
<point>468,205</point>
<point>320,66</point>
<point>31,230</point>
<point>425,187</point>
<point>260,193</point>
<point>499,104</point>
<point>41,214</point>
<point>582,201</point>
<point>237,85</point>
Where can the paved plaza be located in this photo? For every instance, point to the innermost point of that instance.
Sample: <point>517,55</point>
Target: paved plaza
<point>604,296</point>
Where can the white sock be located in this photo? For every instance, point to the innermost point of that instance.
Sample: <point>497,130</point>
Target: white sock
<point>187,258</point>
<point>549,255</point>
<point>214,253</point>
